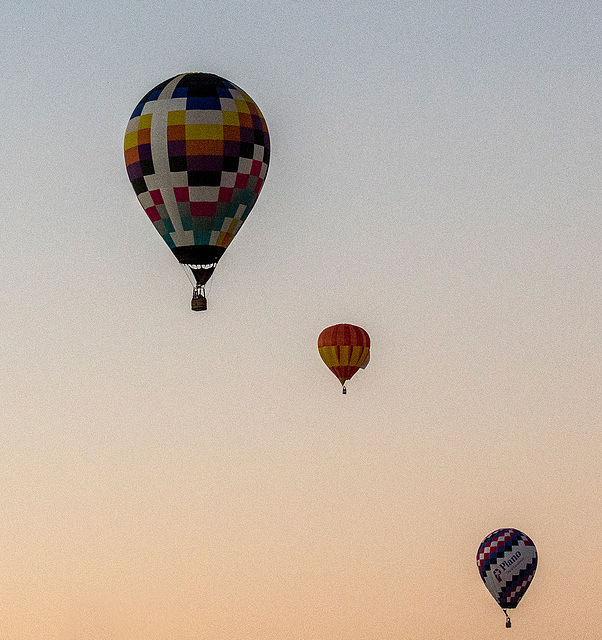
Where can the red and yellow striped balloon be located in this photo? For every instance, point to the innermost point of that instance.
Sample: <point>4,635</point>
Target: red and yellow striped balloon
<point>344,348</point>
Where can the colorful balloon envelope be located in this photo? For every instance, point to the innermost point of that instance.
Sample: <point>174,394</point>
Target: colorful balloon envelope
<point>507,560</point>
<point>345,349</point>
<point>197,151</point>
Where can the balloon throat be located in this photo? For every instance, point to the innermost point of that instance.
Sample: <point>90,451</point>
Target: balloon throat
<point>198,275</point>
<point>202,272</point>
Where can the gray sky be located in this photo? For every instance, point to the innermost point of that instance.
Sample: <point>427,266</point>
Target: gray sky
<point>435,178</point>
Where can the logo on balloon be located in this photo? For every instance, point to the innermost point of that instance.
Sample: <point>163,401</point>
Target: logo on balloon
<point>511,561</point>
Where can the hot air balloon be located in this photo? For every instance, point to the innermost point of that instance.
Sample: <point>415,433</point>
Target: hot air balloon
<point>344,348</point>
<point>197,150</point>
<point>507,560</point>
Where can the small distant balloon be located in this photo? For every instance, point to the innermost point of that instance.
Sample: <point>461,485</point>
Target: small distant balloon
<point>197,151</point>
<point>345,349</point>
<point>507,560</point>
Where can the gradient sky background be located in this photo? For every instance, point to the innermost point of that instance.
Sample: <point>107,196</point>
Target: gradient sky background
<point>435,178</point>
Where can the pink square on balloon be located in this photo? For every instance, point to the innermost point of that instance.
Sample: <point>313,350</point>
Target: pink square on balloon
<point>225,194</point>
<point>203,208</point>
<point>182,194</point>
<point>241,181</point>
<point>156,196</point>
<point>153,214</point>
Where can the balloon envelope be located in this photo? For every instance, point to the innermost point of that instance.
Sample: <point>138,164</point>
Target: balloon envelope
<point>197,150</point>
<point>344,348</point>
<point>507,560</point>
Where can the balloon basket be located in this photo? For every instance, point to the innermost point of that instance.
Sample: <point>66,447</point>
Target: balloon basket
<point>199,304</point>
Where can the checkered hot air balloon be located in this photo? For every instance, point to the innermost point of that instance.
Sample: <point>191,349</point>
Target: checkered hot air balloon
<point>345,349</point>
<point>507,560</point>
<point>197,150</point>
